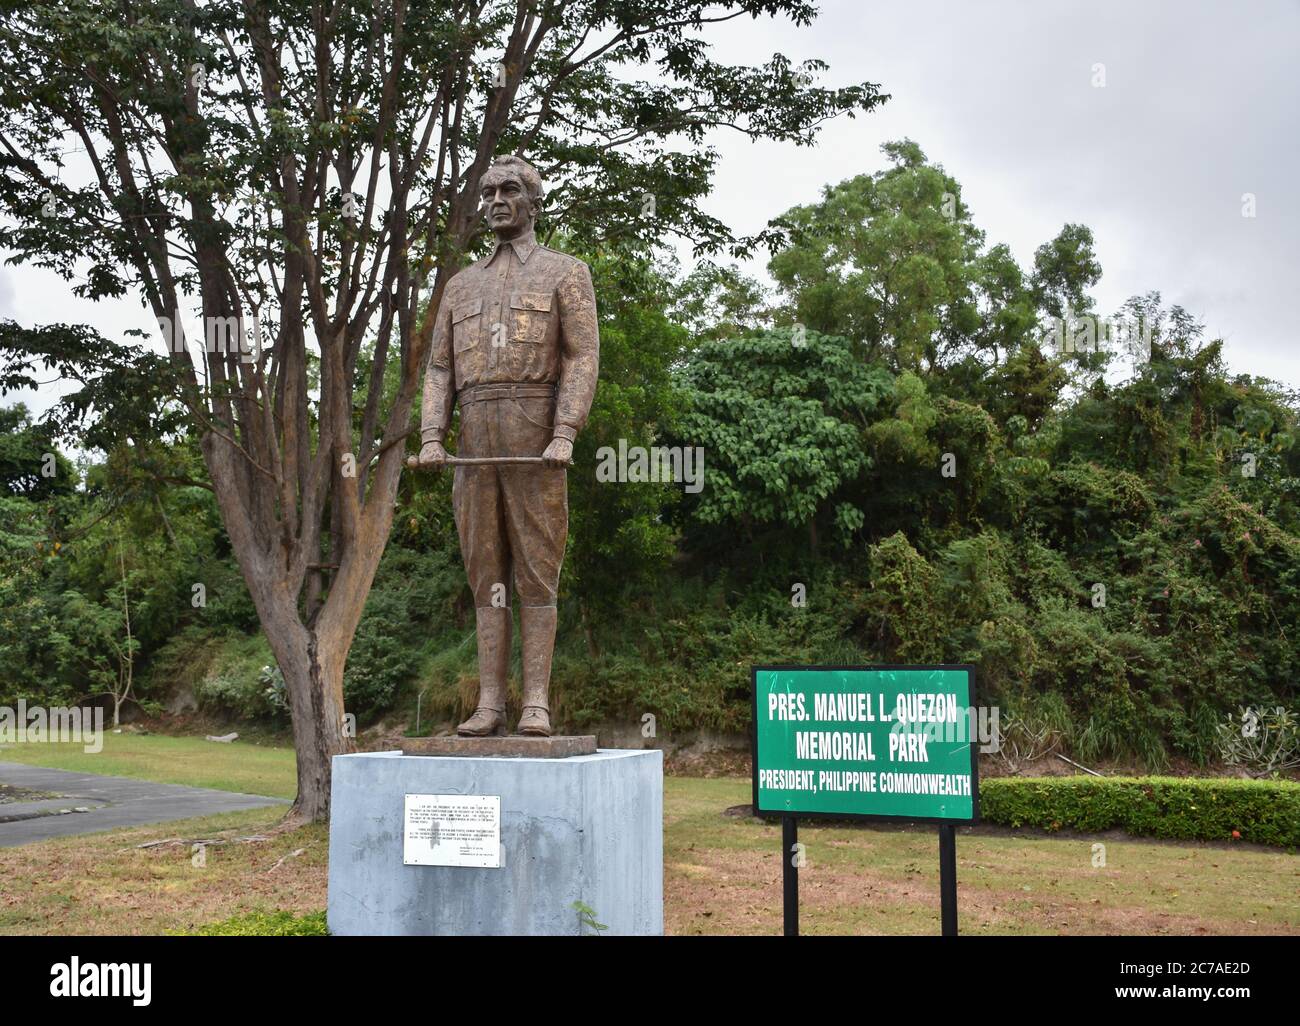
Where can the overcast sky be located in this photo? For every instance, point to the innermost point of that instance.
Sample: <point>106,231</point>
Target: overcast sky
<point>1201,105</point>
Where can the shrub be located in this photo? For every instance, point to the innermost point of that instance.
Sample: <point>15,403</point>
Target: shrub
<point>385,655</point>
<point>236,682</point>
<point>412,591</point>
<point>1264,812</point>
<point>1033,730</point>
<point>1263,743</point>
<point>230,694</point>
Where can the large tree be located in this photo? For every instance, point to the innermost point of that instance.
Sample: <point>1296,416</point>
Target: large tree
<point>894,260</point>
<point>313,166</point>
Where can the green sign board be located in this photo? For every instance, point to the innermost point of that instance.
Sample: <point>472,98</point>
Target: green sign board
<point>893,742</point>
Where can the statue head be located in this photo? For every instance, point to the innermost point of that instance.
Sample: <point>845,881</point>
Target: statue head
<point>511,195</point>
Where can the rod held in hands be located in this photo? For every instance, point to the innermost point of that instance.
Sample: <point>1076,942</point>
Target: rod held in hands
<point>477,461</point>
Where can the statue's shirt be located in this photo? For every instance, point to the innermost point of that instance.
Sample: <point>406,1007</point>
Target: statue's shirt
<point>524,315</point>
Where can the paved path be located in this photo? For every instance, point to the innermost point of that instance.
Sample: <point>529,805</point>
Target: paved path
<point>113,802</point>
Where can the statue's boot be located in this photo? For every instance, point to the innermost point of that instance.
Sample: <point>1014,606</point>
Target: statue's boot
<point>537,635</point>
<point>493,629</point>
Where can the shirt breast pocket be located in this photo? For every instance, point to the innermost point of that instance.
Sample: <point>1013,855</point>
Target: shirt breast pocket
<point>530,317</point>
<point>466,325</point>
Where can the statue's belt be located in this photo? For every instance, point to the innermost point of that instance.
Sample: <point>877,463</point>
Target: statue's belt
<point>481,393</point>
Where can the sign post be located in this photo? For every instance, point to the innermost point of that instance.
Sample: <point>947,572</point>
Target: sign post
<point>790,875</point>
<point>948,879</point>
<point>866,742</point>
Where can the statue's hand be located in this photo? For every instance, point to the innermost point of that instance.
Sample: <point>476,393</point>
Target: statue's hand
<point>558,453</point>
<point>432,454</point>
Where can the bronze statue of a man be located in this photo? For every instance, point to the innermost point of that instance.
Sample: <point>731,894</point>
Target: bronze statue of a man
<point>515,343</point>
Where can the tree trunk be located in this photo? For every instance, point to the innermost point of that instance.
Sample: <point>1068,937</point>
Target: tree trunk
<point>587,631</point>
<point>310,648</point>
<point>310,656</point>
<point>314,686</point>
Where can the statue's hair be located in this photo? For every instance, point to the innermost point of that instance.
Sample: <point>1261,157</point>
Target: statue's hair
<point>527,174</point>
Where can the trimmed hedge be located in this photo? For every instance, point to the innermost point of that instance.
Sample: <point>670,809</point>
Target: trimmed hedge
<point>1185,809</point>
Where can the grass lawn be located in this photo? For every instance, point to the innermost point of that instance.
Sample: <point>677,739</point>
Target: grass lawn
<point>722,875</point>
<point>104,884</point>
<point>237,766</point>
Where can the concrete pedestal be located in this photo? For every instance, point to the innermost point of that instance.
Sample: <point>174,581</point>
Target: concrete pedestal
<point>587,828</point>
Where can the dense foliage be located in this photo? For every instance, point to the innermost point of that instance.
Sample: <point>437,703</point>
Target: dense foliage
<point>899,466</point>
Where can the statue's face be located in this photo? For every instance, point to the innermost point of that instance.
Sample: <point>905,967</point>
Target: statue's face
<point>506,204</point>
